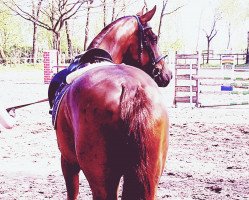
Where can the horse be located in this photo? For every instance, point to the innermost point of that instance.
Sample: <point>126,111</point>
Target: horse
<point>112,121</point>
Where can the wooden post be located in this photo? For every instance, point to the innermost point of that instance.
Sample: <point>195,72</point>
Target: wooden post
<point>49,60</point>
<point>247,40</point>
<point>247,51</point>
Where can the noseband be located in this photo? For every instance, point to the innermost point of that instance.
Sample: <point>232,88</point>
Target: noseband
<point>144,43</point>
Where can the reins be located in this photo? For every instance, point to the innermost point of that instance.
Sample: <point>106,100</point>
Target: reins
<point>27,104</point>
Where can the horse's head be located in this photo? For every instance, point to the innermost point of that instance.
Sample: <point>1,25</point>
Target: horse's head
<point>144,51</point>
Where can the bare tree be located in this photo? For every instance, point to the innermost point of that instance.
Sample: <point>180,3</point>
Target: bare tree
<point>57,14</point>
<point>146,6</point>
<point>210,35</point>
<point>120,7</point>
<point>164,13</point>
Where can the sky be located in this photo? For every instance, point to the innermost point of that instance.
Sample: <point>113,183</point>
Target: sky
<point>189,23</point>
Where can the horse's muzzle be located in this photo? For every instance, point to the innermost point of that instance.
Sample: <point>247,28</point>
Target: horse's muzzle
<point>164,80</point>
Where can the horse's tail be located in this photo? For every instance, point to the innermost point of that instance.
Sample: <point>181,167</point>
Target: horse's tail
<point>136,113</point>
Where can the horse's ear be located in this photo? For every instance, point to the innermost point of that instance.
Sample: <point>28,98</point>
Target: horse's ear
<point>147,16</point>
<point>141,12</point>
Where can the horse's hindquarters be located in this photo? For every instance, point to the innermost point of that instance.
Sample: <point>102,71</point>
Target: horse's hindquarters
<point>112,124</point>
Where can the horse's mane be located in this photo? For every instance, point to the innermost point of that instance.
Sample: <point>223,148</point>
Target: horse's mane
<point>104,32</point>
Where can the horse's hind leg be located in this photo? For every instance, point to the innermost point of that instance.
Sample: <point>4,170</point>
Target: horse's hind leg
<point>71,176</point>
<point>105,186</point>
<point>141,178</point>
<point>136,189</point>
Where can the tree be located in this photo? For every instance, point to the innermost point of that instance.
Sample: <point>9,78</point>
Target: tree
<point>104,13</point>
<point>121,6</point>
<point>164,13</point>
<point>69,41</point>
<point>2,56</point>
<point>36,14</point>
<point>146,6</point>
<point>87,28</point>
<point>3,32</point>
<point>231,13</point>
<point>114,3</point>
<point>212,33</point>
<point>54,14</point>
<point>11,37</point>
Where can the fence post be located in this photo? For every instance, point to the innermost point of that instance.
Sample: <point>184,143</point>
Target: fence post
<point>247,55</point>
<point>49,59</point>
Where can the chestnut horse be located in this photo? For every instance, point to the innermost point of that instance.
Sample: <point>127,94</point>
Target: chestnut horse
<point>112,120</point>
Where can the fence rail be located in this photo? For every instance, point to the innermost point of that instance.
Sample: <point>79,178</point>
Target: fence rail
<point>191,82</point>
<point>239,58</point>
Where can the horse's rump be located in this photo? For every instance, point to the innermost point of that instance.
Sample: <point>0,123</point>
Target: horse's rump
<point>116,120</point>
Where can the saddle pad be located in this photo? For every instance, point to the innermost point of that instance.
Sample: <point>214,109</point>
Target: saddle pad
<point>74,75</point>
<point>56,105</point>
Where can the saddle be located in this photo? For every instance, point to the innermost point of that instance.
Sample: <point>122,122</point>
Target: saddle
<point>94,55</point>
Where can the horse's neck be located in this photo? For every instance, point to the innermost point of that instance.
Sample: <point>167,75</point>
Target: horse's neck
<point>116,42</point>
<point>115,52</point>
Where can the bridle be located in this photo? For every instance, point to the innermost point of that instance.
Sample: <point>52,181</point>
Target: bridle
<point>144,44</point>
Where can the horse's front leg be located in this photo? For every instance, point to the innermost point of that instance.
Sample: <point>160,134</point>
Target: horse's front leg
<point>71,176</point>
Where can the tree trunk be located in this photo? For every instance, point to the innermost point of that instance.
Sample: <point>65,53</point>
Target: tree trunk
<point>2,56</point>
<point>104,13</point>
<point>124,7</point>
<point>208,49</point>
<point>69,41</point>
<point>35,48</point>
<point>35,14</point>
<point>87,28</point>
<point>229,35</point>
<point>56,41</point>
<point>113,9</point>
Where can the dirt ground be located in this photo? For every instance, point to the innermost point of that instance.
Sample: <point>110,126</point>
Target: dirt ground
<point>208,154</point>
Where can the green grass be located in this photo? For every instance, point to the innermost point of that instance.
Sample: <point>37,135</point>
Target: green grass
<point>219,66</point>
<point>210,66</point>
<point>21,67</point>
<point>242,66</point>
